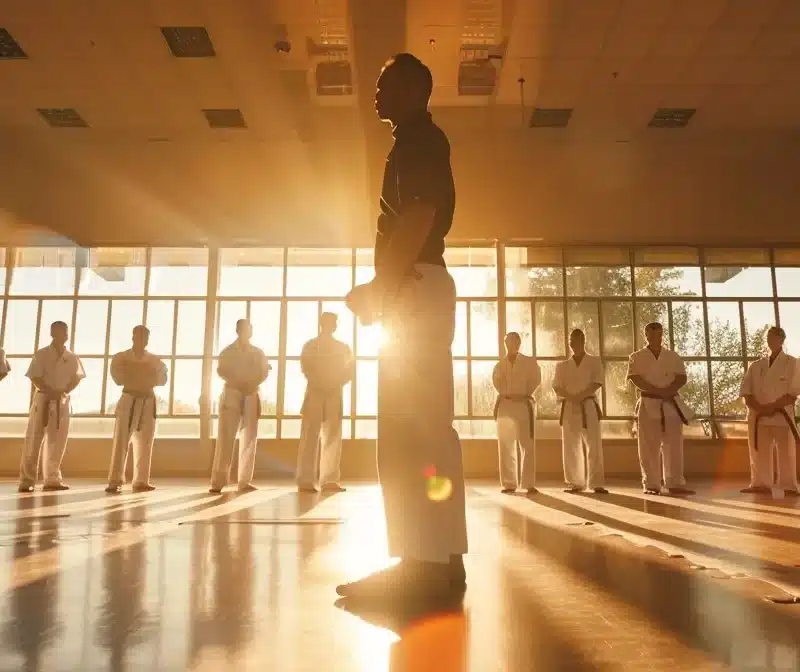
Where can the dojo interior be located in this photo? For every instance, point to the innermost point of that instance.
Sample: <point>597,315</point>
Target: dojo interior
<point>187,163</point>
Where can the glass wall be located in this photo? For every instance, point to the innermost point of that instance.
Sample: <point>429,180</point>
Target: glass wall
<point>715,304</point>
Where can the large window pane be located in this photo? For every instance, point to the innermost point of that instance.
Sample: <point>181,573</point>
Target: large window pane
<point>45,271</point>
<point>788,282</point>
<point>113,392</point>
<point>188,380</point>
<point>250,272</point>
<point>483,392</point>
<point>461,387</point>
<point>736,281</point>
<point>365,269</point>
<point>668,281</point>
<point>319,272</point>
<point>599,281</point>
<point>647,312</point>
<point>54,310</point>
<point>369,339</point>
<point>790,321</point>
<point>518,318</point>
<point>550,337</point>
<point>113,271</point>
<point>90,327</point>
<point>727,379</point>
<point>620,394</point>
<point>459,346</point>
<point>191,328</point>
<point>474,270</point>
<point>20,338</point>
<point>617,328</point>
<point>724,329</point>
<point>483,329</point>
<point>294,388</point>
<point>178,271</point>
<point>344,324</point>
<point>161,322</point>
<point>125,315</point>
<point>15,390</point>
<point>302,324</point>
<point>688,330</point>
<point>758,318</point>
<point>266,319</point>
<point>86,398</point>
<point>3,266</point>
<point>546,400</point>
<point>533,272</point>
<point>162,393</point>
<point>367,387</point>
<point>695,392</point>
<point>228,314</point>
<point>583,315</point>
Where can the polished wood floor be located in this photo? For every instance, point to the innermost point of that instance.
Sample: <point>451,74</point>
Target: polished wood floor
<point>179,579</point>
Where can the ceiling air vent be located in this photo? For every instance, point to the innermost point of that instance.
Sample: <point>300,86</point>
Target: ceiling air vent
<point>62,117</point>
<point>9,49</point>
<point>334,78</point>
<point>225,118</point>
<point>550,117</point>
<point>477,74</point>
<point>192,42</point>
<point>671,117</point>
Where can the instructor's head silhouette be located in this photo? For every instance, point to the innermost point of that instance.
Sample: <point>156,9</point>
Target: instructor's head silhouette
<point>403,89</point>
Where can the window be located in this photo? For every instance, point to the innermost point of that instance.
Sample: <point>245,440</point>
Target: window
<point>656,281</point>
<point>20,334</point>
<point>724,329</point>
<point>186,386</point>
<point>583,315</point>
<point>726,378</point>
<point>265,317</point>
<point>366,388</point>
<point>546,400</point>
<point>86,399</point>
<point>54,310</point>
<point>43,271</point>
<point>484,329</point>
<point>758,318</point>
<point>125,315</point>
<point>738,281</point>
<point>617,328</point>
<point>789,312</point>
<point>550,323</point>
<point>251,272</point>
<point>91,319</point>
<point>459,346</point>
<point>190,333</point>
<point>228,314</point>
<point>695,392</point>
<point>646,313</point>
<point>483,392</point>
<point>295,388</point>
<point>533,272</point>
<point>178,271</point>
<point>15,390</point>
<point>598,281</point>
<point>474,270</point>
<point>112,271</point>
<point>788,281</point>
<point>302,324</point>
<point>461,387</point>
<point>619,392</point>
<point>161,322</point>
<point>518,318</point>
<point>319,272</point>
<point>688,331</point>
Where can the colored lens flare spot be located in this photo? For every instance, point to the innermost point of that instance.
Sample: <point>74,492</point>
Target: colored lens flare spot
<point>439,488</point>
<point>430,471</point>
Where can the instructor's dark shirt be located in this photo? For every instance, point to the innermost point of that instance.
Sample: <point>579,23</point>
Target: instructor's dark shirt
<point>417,169</point>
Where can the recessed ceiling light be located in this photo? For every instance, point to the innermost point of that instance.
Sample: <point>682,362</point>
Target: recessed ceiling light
<point>189,42</point>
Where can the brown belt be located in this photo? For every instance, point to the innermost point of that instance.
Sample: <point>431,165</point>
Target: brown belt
<point>582,403</point>
<point>528,401</point>
<point>46,414</point>
<point>671,400</point>
<point>139,397</point>
<point>792,427</point>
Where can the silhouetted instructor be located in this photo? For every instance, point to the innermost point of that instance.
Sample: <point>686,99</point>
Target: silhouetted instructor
<point>414,297</point>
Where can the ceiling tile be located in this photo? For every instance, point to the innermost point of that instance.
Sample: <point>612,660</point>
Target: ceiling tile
<point>751,72</point>
<point>681,95</point>
<point>592,12</point>
<point>628,41</point>
<point>706,71</point>
<point>788,14</point>
<point>565,70</point>
<point>580,41</point>
<point>749,12</point>
<point>661,71</point>
<point>728,42</point>
<point>542,12</point>
<point>697,12</point>
<point>534,40</point>
<point>678,42</point>
<point>645,12</point>
<point>776,42</point>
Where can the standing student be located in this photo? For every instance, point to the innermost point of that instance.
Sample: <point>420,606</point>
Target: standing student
<point>659,374</point>
<point>516,378</point>
<point>54,372</point>
<point>5,369</point>
<point>415,298</point>
<point>243,367</point>
<point>770,389</point>
<point>139,372</point>
<point>327,365</point>
<point>576,382</point>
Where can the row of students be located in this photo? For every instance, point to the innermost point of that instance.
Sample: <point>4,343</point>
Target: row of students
<point>770,389</point>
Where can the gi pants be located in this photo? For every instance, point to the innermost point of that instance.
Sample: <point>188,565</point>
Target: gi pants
<point>134,423</point>
<point>772,439</point>
<point>415,421</point>
<point>319,455</point>
<point>238,416</point>
<point>514,427</point>
<point>48,424</point>
<point>582,470</point>
<point>657,443</point>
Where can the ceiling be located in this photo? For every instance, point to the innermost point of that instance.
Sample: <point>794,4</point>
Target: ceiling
<point>148,167</point>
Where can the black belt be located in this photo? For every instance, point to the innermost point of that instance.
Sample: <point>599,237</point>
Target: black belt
<point>582,404</point>
<point>792,426</point>
<point>671,400</point>
<point>528,401</point>
<point>137,397</point>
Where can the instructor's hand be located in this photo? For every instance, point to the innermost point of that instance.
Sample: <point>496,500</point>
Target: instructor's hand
<point>364,302</point>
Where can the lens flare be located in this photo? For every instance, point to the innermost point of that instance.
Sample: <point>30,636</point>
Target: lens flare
<point>439,488</point>
<point>430,471</point>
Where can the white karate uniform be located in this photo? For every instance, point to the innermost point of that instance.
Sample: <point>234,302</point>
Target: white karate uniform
<point>659,423</point>
<point>4,366</point>
<point>516,420</point>
<point>768,384</point>
<point>238,414</point>
<point>416,410</point>
<point>328,366</point>
<point>48,421</point>
<point>580,422</point>
<point>135,420</point>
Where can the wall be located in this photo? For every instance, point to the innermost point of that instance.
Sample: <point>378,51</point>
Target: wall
<point>190,458</point>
